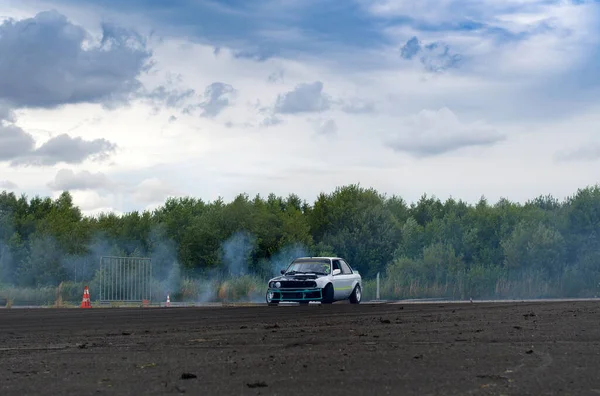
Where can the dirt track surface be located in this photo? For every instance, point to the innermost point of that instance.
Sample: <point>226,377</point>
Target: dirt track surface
<point>341,349</point>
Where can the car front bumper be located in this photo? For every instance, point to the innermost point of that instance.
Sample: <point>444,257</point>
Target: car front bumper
<point>295,295</point>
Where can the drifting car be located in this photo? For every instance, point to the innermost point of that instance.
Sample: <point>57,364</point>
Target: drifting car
<point>320,279</point>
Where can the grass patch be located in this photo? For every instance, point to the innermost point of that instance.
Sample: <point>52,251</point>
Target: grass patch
<point>27,296</point>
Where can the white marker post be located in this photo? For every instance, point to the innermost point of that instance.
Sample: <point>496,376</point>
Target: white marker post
<point>377,296</point>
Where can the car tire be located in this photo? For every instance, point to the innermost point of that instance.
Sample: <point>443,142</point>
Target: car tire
<point>327,297</point>
<point>270,302</point>
<point>356,296</point>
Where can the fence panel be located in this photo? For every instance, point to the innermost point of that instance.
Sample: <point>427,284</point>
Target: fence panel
<point>127,279</point>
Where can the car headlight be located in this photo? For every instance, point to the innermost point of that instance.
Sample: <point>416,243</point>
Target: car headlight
<point>277,285</point>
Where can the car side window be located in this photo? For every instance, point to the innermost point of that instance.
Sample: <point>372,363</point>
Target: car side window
<point>345,268</point>
<point>336,265</point>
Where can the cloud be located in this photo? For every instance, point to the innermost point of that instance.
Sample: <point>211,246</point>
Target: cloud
<point>358,106</point>
<point>311,98</point>
<point>47,61</point>
<point>14,142</point>
<point>271,121</point>
<point>93,203</point>
<point>8,185</point>
<point>537,39</point>
<point>435,57</point>
<point>326,127</point>
<point>463,15</point>
<point>588,152</point>
<point>431,133</point>
<point>66,179</point>
<point>258,30</point>
<point>276,77</point>
<point>411,48</point>
<point>90,184</point>
<point>163,96</point>
<point>152,190</point>
<point>62,148</point>
<point>520,65</point>
<point>6,113</point>
<point>304,98</point>
<point>217,97</point>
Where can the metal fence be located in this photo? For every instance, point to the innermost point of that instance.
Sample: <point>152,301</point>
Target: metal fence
<point>127,279</point>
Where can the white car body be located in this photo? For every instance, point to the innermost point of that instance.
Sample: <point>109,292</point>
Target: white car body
<point>321,279</point>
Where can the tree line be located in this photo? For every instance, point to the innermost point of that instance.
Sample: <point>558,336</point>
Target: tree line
<point>541,248</point>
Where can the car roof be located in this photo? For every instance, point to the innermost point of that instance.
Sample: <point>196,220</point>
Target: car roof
<point>318,257</point>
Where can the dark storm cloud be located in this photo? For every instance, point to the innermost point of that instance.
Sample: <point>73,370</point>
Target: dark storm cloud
<point>47,61</point>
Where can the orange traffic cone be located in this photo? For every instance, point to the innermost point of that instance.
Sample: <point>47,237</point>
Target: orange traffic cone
<point>85,302</point>
<point>168,300</point>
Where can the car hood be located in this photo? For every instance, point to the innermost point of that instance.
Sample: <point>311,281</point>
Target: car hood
<point>296,277</point>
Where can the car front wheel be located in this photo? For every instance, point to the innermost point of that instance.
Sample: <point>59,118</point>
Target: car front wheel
<point>269,298</point>
<point>356,295</point>
<point>327,297</point>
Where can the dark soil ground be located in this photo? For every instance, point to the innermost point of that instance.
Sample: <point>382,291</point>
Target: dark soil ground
<point>340,349</point>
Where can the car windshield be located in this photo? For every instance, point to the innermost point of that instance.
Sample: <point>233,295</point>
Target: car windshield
<point>309,267</point>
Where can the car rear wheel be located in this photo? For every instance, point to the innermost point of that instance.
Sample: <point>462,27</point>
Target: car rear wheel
<point>356,295</point>
<point>327,297</point>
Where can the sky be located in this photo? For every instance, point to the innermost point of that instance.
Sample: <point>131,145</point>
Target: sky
<point>125,104</point>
